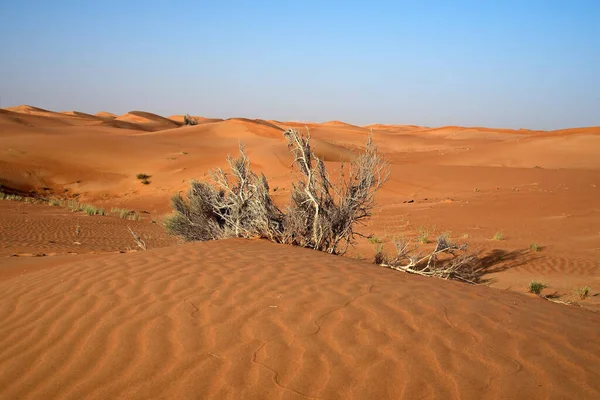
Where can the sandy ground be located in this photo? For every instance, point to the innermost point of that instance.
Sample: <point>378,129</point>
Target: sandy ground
<point>86,316</point>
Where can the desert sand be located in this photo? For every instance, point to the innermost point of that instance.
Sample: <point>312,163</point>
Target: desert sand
<point>86,314</point>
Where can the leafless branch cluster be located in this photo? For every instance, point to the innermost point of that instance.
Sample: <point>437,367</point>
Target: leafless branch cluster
<point>445,261</point>
<point>321,216</point>
<point>237,205</point>
<point>141,243</point>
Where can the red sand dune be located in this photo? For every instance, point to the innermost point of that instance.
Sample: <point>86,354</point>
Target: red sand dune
<point>179,119</point>
<point>105,115</point>
<point>249,319</point>
<point>147,120</point>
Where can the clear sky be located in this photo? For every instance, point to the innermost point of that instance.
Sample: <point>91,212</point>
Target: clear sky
<point>527,63</point>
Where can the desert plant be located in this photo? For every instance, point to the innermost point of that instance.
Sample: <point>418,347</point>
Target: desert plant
<point>54,202</point>
<point>583,292</point>
<point>536,287</point>
<point>187,120</point>
<point>139,241</point>
<point>93,210</point>
<point>89,209</point>
<point>323,216</point>
<point>141,176</point>
<point>446,261</point>
<point>133,216</point>
<point>320,216</point>
<point>379,257</point>
<point>498,236</point>
<point>240,207</point>
<point>12,197</point>
<point>145,181</point>
<point>74,205</point>
<point>374,240</point>
<point>423,235</point>
<point>535,247</point>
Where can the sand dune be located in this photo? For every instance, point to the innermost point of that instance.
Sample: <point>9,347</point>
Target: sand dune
<point>81,115</point>
<point>179,119</point>
<point>145,118</point>
<point>105,115</point>
<point>249,319</point>
<point>243,319</point>
<point>25,109</point>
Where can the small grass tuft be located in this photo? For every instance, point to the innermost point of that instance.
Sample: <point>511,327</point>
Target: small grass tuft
<point>535,247</point>
<point>123,213</point>
<point>142,176</point>
<point>498,236</point>
<point>423,236</point>
<point>374,240</point>
<point>93,210</point>
<point>54,202</point>
<point>379,257</point>
<point>536,287</point>
<point>145,181</point>
<point>583,292</point>
<point>133,216</point>
<point>74,205</point>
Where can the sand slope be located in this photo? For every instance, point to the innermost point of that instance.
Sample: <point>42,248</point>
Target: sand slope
<point>247,319</point>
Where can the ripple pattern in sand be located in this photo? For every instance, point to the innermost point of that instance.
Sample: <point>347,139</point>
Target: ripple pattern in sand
<point>249,319</point>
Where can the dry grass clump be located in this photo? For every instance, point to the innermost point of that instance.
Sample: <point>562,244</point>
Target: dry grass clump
<point>11,197</point>
<point>583,292</point>
<point>321,215</point>
<point>498,236</point>
<point>423,235</point>
<point>124,213</point>
<point>93,210</point>
<point>536,287</point>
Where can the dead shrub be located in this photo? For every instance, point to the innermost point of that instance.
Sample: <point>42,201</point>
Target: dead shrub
<point>236,207</point>
<point>321,215</point>
<point>446,261</point>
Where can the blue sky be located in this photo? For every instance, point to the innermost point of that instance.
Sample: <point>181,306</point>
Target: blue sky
<point>529,63</point>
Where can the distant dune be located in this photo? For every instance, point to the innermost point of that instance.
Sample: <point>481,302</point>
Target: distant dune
<point>146,118</point>
<point>80,115</point>
<point>105,115</point>
<point>179,119</point>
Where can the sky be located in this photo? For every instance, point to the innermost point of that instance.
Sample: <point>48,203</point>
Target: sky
<point>511,64</point>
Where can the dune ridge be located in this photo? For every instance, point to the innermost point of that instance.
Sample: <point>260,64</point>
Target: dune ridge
<point>269,321</point>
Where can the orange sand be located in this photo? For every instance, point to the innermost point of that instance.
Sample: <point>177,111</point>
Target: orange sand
<point>89,318</point>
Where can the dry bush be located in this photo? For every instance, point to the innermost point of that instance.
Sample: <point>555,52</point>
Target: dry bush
<point>236,207</point>
<point>446,261</point>
<point>187,120</point>
<point>323,216</point>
